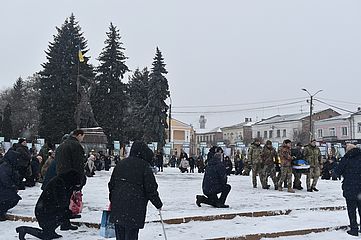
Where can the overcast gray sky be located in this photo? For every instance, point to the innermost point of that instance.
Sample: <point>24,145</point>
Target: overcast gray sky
<point>217,52</point>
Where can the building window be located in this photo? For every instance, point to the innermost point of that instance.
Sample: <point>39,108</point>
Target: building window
<point>198,139</point>
<point>206,138</point>
<point>359,127</point>
<point>270,134</point>
<point>319,133</point>
<point>284,133</point>
<point>278,133</point>
<point>332,131</point>
<point>258,134</point>
<point>344,131</point>
<point>265,134</point>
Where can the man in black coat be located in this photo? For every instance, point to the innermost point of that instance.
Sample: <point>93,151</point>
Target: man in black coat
<point>70,155</point>
<point>214,182</point>
<point>9,181</point>
<point>350,168</point>
<point>131,186</point>
<point>52,207</point>
<point>24,159</point>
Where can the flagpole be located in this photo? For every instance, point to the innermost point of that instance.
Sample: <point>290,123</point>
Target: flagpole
<point>77,88</point>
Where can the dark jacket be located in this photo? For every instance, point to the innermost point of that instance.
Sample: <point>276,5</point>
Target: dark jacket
<point>70,155</point>
<point>24,155</point>
<point>49,174</point>
<point>53,203</point>
<point>350,168</point>
<point>131,185</point>
<point>215,177</point>
<point>9,178</point>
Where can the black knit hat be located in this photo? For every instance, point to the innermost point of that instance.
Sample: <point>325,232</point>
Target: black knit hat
<point>21,140</point>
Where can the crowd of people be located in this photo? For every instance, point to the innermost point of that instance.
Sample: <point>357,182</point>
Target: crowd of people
<point>66,168</point>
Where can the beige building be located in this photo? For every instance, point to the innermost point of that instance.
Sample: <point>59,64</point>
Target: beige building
<point>241,132</point>
<point>182,136</point>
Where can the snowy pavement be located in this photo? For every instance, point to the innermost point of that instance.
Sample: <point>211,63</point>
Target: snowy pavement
<point>178,192</point>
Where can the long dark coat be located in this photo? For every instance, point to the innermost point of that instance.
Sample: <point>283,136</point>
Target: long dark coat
<point>215,176</point>
<point>70,155</point>
<point>131,186</point>
<point>25,155</point>
<point>350,168</point>
<point>9,178</point>
<point>52,207</point>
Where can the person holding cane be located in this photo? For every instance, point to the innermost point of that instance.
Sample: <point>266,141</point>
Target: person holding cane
<point>131,186</point>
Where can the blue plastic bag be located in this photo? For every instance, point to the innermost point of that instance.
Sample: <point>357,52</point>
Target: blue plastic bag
<point>107,229</point>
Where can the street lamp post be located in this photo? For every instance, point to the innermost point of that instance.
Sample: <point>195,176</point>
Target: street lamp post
<point>311,108</point>
<point>170,119</point>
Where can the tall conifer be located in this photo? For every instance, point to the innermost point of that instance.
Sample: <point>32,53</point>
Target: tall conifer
<point>155,113</point>
<point>58,81</point>
<point>109,99</point>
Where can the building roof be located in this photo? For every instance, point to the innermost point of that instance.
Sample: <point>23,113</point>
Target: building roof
<point>208,130</point>
<point>283,118</point>
<point>238,125</point>
<point>340,117</point>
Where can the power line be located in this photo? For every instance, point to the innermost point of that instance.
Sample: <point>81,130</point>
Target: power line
<point>238,104</point>
<point>240,110</point>
<point>340,101</point>
<point>342,109</point>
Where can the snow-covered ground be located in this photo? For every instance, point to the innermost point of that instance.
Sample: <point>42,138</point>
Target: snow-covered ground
<point>178,192</point>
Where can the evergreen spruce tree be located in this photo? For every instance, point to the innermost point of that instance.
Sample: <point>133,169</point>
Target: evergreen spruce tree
<point>7,125</point>
<point>109,99</point>
<point>137,92</point>
<point>155,113</point>
<point>19,108</point>
<point>58,81</point>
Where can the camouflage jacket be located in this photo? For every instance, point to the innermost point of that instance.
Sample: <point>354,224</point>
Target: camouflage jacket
<point>269,155</point>
<point>285,156</point>
<point>254,154</point>
<point>312,155</point>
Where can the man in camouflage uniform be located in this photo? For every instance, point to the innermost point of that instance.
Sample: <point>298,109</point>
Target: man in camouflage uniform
<point>255,161</point>
<point>268,156</point>
<point>286,166</point>
<point>313,155</point>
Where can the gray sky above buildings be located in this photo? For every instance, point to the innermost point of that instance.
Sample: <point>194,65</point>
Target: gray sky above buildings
<point>247,54</point>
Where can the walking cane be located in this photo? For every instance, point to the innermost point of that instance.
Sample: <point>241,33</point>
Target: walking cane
<point>161,220</point>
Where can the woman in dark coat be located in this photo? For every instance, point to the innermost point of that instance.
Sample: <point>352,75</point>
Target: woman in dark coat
<point>52,208</point>
<point>350,169</point>
<point>131,186</point>
<point>214,182</point>
<point>9,181</point>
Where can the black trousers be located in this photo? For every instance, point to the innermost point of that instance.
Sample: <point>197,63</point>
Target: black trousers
<point>352,205</point>
<point>6,205</point>
<point>213,200</point>
<point>123,233</point>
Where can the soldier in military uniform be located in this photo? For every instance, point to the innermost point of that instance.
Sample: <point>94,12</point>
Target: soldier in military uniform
<point>255,161</point>
<point>268,156</point>
<point>313,155</point>
<point>286,166</point>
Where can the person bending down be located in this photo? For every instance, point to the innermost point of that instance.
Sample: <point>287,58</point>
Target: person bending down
<point>214,182</point>
<point>52,208</point>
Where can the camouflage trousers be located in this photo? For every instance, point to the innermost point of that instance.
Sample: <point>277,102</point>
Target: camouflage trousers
<point>314,174</point>
<point>256,170</point>
<point>286,174</point>
<point>269,171</point>
<point>297,180</point>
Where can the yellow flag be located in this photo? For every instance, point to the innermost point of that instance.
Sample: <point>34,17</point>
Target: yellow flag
<point>81,57</point>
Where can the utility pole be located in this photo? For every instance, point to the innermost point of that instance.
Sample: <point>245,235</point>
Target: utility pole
<point>311,108</point>
<point>170,120</point>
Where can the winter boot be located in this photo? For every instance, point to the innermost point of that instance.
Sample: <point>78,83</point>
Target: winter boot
<point>66,227</point>
<point>199,199</point>
<point>315,189</point>
<point>2,217</point>
<point>36,232</point>
<point>280,188</point>
<point>309,190</point>
<point>290,190</point>
<point>353,232</point>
